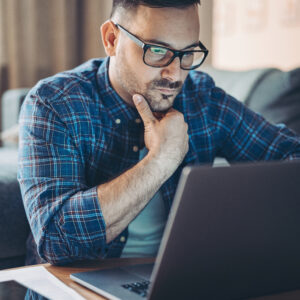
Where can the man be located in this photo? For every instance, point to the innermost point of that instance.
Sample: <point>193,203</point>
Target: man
<point>102,146</point>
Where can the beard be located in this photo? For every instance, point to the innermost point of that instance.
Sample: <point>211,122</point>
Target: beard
<point>158,100</point>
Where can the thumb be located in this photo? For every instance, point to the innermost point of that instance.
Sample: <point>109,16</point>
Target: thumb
<point>143,108</point>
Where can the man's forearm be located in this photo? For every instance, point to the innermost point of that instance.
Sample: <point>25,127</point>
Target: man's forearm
<point>125,196</point>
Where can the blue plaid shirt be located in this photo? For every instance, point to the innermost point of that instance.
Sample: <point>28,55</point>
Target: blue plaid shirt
<point>76,133</point>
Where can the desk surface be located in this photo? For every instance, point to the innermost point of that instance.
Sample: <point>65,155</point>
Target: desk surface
<point>63,274</point>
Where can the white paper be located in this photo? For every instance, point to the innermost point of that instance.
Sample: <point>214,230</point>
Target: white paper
<point>41,281</point>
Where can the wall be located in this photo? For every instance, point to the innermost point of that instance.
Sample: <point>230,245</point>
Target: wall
<point>256,33</point>
<point>39,38</point>
<point>206,28</point>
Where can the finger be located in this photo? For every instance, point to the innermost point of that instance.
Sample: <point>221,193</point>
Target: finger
<point>175,113</point>
<point>143,108</point>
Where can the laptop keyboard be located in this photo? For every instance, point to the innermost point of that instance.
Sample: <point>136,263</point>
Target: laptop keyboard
<point>140,287</point>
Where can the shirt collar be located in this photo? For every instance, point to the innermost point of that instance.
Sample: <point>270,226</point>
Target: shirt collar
<point>120,111</point>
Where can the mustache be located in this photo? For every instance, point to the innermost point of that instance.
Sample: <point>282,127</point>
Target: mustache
<point>165,83</point>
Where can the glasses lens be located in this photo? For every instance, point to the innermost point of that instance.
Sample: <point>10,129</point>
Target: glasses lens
<point>157,56</point>
<point>191,59</point>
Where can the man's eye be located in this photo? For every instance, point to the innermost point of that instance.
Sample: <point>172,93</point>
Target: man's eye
<point>157,50</point>
<point>188,55</point>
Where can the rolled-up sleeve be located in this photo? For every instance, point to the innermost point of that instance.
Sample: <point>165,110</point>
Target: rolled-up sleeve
<point>63,211</point>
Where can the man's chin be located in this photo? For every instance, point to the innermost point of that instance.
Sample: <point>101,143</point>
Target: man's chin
<point>159,102</point>
<point>159,114</point>
<point>160,109</point>
<point>162,105</point>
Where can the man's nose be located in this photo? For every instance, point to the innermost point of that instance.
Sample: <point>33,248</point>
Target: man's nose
<point>173,71</point>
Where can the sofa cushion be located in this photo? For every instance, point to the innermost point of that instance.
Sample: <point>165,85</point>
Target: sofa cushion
<point>14,227</point>
<point>238,84</point>
<point>277,97</point>
<point>271,92</point>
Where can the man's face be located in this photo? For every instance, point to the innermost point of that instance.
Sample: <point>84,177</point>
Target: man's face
<point>170,27</point>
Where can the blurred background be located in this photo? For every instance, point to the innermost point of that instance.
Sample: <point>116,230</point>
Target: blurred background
<point>39,38</point>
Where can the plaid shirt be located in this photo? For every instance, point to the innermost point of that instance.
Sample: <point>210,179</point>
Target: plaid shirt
<point>76,133</point>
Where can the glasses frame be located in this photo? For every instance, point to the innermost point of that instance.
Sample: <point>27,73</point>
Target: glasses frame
<point>176,53</point>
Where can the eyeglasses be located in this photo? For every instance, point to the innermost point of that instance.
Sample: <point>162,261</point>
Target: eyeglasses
<point>159,56</point>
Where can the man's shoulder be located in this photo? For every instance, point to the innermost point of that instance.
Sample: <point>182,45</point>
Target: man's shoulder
<point>200,89</point>
<point>82,79</point>
<point>202,95</point>
<point>198,80</point>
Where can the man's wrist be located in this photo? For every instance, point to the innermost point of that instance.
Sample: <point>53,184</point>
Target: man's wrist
<point>163,165</point>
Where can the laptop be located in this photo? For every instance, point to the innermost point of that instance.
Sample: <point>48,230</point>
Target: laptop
<point>233,232</point>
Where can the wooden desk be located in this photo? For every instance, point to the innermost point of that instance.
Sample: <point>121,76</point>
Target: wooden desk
<point>63,273</point>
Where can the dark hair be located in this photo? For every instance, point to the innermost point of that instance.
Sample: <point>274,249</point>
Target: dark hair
<point>132,4</point>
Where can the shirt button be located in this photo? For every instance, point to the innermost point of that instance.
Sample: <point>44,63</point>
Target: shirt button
<point>118,121</point>
<point>122,239</point>
<point>135,148</point>
<point>138,121</point>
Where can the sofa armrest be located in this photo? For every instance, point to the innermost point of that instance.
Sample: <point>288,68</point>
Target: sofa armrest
<point>14,228</point>
<point>11,103</point>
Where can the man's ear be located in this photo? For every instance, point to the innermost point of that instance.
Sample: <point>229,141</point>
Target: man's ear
<point>109,33</point>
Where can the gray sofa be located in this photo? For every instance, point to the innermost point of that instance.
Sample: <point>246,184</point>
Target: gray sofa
<point>14,227</point>
<point>271,92</point>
